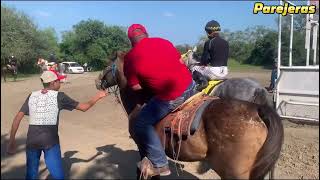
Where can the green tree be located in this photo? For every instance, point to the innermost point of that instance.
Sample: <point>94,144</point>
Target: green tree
<point>299,53</point>
<point>264,51</point>
<point>93,42</point>
<point>48,42</point>
<point>21,38</point>
<point>183,48</point>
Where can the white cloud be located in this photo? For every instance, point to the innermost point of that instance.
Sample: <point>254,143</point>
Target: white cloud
<point>168,14</point>
<point>42,13</point>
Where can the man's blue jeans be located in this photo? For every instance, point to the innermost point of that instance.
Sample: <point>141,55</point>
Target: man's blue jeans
<point>52,157</point>
<point>145,136</point>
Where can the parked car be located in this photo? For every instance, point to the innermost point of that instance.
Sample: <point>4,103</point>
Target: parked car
<point>73,67</point>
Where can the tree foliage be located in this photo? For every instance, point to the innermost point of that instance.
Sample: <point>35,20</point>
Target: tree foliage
<point>183,48</point>
<point>93,42</point>
<point>89,41</point>
<point>21,38</point>
<point>259,45</point>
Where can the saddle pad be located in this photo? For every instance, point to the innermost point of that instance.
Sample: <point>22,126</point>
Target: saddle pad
<point>211,85</point>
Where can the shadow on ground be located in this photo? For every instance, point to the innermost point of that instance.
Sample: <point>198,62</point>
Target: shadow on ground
<point>16,172</point>
<point>120,164</point>
<point>110,162</point>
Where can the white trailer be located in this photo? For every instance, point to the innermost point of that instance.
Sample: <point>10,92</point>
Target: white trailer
<point>297,87</point>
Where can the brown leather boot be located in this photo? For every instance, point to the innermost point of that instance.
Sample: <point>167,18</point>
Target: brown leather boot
<point>147,169</point>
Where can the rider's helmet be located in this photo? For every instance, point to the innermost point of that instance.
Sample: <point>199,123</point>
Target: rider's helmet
<point>12,59</point>
<point>212,26</point>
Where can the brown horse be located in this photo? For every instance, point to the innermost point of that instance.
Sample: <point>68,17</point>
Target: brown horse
<point>240,140</point>
<point>5,70</point>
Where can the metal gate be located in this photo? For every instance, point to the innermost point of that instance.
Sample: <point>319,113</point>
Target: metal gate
<point>297,87</point>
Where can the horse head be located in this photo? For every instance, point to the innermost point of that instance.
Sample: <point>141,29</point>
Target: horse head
<point>110,76</point>
<point>112,79</point>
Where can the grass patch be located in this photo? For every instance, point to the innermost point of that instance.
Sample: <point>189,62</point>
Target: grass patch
<point>234,65</point>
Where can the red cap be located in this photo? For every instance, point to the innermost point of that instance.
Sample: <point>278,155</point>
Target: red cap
<point>132,33</point>
<point>60,77</point>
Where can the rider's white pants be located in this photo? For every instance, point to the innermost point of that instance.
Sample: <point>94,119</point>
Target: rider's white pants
<point>212,72</point>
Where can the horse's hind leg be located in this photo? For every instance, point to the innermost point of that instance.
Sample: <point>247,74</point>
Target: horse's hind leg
<point>235,135</point>
<point>233,154</point>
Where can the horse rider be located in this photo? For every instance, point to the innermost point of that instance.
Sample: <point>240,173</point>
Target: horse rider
<point>12,64</point>
<point>170,83</point>
<point>43,64</point>
<point>213,63</point>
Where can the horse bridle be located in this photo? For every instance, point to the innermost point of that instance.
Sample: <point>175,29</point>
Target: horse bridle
<point>111,89</point>
<point>114,89</point>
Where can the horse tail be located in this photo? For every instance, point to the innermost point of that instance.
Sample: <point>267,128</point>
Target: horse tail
<point>261,97</point>
<point>270,150</point>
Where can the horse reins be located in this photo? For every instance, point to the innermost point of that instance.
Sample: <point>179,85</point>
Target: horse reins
<point>115,89</point>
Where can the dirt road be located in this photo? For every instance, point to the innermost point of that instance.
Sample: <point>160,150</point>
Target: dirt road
<point>104,129</point>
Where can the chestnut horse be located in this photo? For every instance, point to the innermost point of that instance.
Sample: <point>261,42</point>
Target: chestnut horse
<point>239,139</point>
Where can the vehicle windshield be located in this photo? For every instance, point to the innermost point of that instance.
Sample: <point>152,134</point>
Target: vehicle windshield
<point>75,65</point>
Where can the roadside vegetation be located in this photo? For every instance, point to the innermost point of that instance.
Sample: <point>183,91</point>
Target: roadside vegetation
<point>93,42</point>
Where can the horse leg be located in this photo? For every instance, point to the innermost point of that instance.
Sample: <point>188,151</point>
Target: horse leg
<point>233,159</point>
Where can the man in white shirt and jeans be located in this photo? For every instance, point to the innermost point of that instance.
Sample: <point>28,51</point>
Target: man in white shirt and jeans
<point>43,107</point>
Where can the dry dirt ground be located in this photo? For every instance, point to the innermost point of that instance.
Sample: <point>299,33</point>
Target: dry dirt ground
<point>96,144</point>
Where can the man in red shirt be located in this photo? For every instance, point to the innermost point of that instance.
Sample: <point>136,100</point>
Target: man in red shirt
<point>154,64</point>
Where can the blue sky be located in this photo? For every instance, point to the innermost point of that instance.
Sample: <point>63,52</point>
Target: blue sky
<point>178,21</point>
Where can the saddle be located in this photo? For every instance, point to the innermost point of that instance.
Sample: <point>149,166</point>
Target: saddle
<point>185,119</point>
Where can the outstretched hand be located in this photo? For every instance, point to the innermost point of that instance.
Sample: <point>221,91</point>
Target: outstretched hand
<point>102,94</point>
